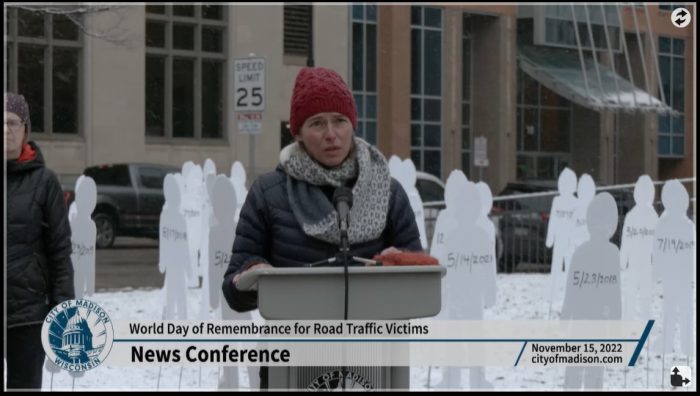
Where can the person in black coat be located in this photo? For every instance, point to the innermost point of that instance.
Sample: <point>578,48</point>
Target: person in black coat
<point>39,272</point>
<point>288,218</point>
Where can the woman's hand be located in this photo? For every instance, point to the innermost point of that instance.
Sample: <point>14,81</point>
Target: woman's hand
<point>389,250</point>
<point>254,267</point>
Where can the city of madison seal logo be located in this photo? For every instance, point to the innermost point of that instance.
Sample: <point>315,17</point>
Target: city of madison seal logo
<point>333,381</point>
<point>77,335</point>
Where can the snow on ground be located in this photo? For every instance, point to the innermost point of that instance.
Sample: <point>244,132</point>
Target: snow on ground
<point>519,298</point>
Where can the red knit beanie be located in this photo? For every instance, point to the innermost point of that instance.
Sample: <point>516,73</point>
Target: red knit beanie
<point>320,90</point>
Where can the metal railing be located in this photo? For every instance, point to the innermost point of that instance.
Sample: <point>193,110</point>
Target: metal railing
<point>521,224</point>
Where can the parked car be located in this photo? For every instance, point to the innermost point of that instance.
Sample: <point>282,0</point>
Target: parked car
<point>129,199</point>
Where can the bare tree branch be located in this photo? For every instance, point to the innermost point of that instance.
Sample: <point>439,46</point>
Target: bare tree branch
<point>79,14</point>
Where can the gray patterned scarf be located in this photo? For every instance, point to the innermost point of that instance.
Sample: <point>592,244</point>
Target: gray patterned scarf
<point>316,213</point>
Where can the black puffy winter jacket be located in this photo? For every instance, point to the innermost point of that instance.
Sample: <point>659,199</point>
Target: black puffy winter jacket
<point>268,231</point>
<point>39,268</point>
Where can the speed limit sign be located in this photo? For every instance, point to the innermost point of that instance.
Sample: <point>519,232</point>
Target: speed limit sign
<point>249,84</point>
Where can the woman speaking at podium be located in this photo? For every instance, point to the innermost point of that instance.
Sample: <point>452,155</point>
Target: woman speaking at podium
<point>289,220</point>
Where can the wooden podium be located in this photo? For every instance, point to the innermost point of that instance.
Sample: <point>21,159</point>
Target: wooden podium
<point>375,293</point>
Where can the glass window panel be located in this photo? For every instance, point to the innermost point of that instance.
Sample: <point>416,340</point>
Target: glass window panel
<point>678,146</point>
<point>530,130</point>
<point>212,102</point>
<point>187,11</point>
<point>417,159</point>
<point>526,168</point>
<point>212,12</point>
<point>212,40</point>
<point>371,106</point>
<point>531,90</point>
<point>371,132</point>
<point>466,139</point>
<point>416,15</point>
<point>431,109</point>
<point>466,163</point>
<point>183,98</point>
<point>416,61</point>
<point>359,103</point>
<point>432,75</point>
<point>678,46</point>
<point>664,145</point>
<point>64,28</point>
<point>358,61</point>
<point>65,90</point>
<point>678,125</point>
<point>183,37</point>
<point>155,34</point>
<point>432,162</point>
<point>9,64</point>
<point>30,82</point>
<point>155,9</point>
<point>357,10</point>
<point>155,96</point>
<point>664,45</point>
<point>555,130</point>
<point>371,77</point>
<point>30,23</point>
<point>371,12</point>
<point>545,168</point>
<point>415,110</point>
<point>664,124</point>
<point>466,119</point>
<point>678,84</point>
<point>432,133</point>
<point>519,129</point>
<point>466,69</point>
<point>416,136</point>
<point>433,17</point>
<point>550,98</point>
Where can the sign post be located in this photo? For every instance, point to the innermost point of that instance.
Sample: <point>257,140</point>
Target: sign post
<point>481,159</point>
<point>249,99</point>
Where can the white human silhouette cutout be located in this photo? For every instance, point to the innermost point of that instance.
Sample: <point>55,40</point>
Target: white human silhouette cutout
<point>207,221</point>
<point>585,193</point>
<point>192,209</point>
<point>635,252</point>
<point>469,257</point>
<point>238,178</point>
<point>445,222</point>
<point>673,258</point>
<point>487,225</point>
<point>83,236</point>
<point>405,173</point>
<point>559,232</point>
<point>593,284</point>
<point>204,190</point>
<point>173,259</point>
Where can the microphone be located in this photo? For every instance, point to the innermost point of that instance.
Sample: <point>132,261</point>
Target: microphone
<point>342,199</point>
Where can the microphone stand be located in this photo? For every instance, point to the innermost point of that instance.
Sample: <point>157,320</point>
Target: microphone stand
<point>344,251</point>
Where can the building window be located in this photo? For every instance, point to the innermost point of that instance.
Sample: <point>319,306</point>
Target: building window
<point>426,89</point>
<point>185,71</point>
<point>672,69</point>
<point>364,69</point>
<point>671,6</point>
<point>44,63</point>
<point>544,127</point>
<point>559,28</point>
<point>466,92</point>
<point>297,29</point>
